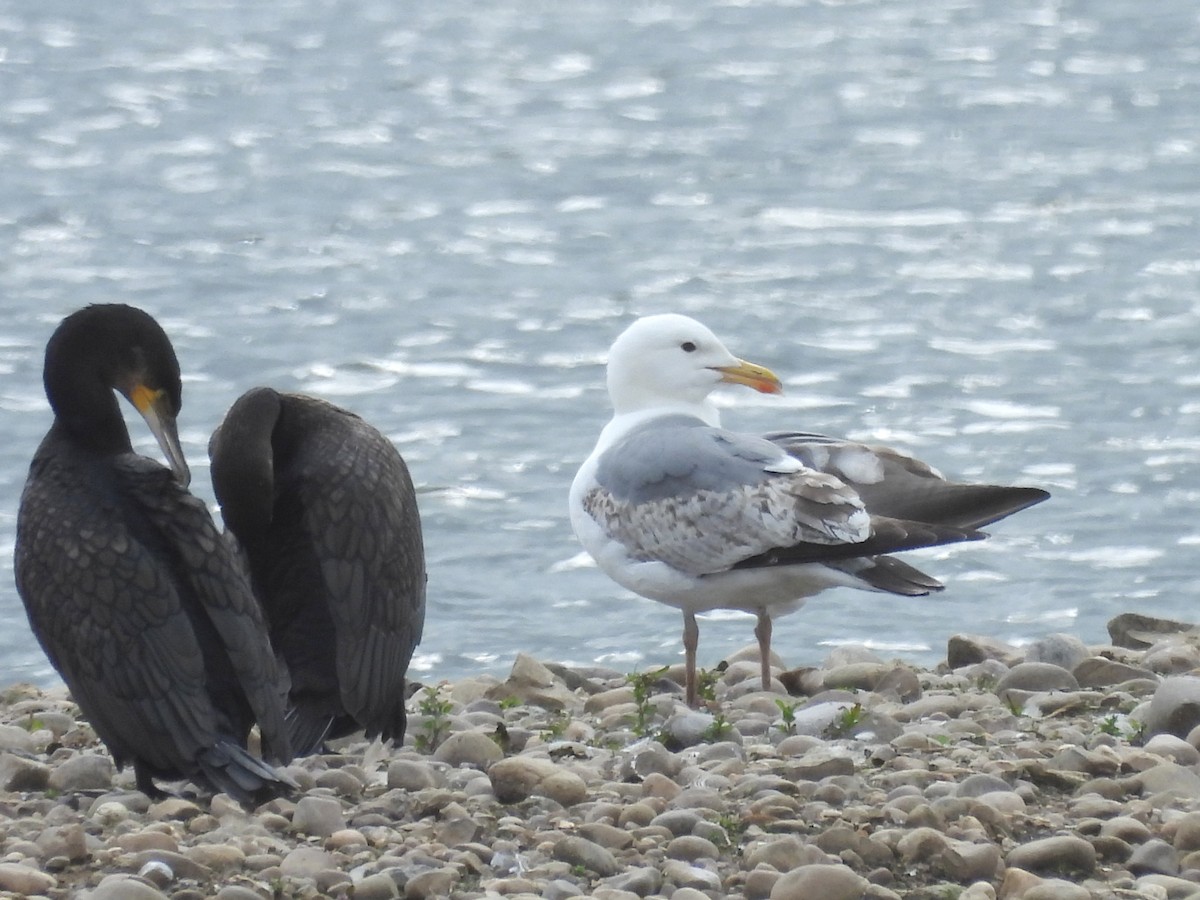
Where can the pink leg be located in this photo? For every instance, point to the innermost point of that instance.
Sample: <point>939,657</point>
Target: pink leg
<point>762,631</point>
<point>691,637</point>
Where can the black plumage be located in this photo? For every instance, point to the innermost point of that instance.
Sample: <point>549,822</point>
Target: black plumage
<point>323,507</point>
<point>129,586</point>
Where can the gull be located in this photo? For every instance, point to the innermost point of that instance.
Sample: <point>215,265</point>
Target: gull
<point>677,509</point>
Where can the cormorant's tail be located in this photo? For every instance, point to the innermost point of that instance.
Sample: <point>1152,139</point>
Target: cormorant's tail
<point>308,730</point>
<point>241,775</point>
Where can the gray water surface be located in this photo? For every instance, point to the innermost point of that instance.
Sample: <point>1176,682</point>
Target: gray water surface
<point>964,228</point>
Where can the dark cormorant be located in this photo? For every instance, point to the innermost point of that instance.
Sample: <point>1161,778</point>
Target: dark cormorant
<point>130,588</point>
<point>324,509</point>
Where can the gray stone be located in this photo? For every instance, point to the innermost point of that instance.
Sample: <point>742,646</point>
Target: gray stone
<point>1165,886</point>
<point>468,748</point>
<point>218,857</point>
<point>1127,828</point>
<point>648,757</point>
<point>564,787</point>
<point>434,883</point>
<point>857,676</point>
<point>687,729</point>
<point>341,782</point>
<point>816,720</point>
<point>237,892</point>
<point>691,848</point>
<point>981,783</point>
<point>921,845</point>
<point>1098,672</point>
<point>606,835</point>
<point>561,889</point>
<point>676,821</point>
<point>17,739</point>
<point>1055,854</point>
<point>829,882</point>
<point>1168,778</point>
<point>639,880</point>
<point>691,876</point>
<point>1007,803</point>
<point>900,681</point>
<point>760,883</point>
<point>138,841</point>
<point>1172,658</point>
<point>531,682</point>
<point>1155,857</point>
<point>579,851</point>
<point>820,763</point>
<point>1138,632</point>
<point>306,862</point>
<point>83,772</point>
<point>1187,832</point>
<point>411,775</point>
<point>375,887</point>
<point>124,887</point>
<point>699,798</point>
<point>1175,706</point>
<point>1063,650</point>
<point>461,829</point>
<point>180,865</point>
<point>1036,676</point>
<point>1075,759</point>
<point>964,862</point>
<point>517,778</point>
<point>319,816</point>
<point>1056,889</point>
<point>784,854</point>
<point>20,774</point>
<point>25,880</point>
<point>68,841</point>
<point>968,649</point>
<point>173,809</point>
<point>848,655</point>
<point>1173,748</point>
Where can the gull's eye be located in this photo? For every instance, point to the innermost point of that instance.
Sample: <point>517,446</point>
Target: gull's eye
<point>687,347</point>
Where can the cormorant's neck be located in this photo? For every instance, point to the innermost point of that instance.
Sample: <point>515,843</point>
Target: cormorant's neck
<point>93,420</point>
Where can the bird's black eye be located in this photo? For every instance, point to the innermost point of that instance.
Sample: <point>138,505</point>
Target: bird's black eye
<point>687,347</point>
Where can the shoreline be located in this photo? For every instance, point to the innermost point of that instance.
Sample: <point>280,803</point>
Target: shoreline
<point>1053,770</point>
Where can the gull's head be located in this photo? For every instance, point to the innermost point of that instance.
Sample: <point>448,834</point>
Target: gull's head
<point>673,360</point>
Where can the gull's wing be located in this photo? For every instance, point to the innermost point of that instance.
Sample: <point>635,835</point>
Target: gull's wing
<point>703,499</point>
<point>898,486</point>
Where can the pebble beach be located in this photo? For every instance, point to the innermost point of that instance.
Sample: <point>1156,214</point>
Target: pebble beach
<point>1051,771</point>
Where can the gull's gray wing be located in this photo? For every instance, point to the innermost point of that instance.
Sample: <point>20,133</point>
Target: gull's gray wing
<point>702,499</point>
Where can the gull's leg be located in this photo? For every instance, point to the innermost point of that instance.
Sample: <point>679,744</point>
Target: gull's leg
<point>762,631</point>
<point>691,637</point>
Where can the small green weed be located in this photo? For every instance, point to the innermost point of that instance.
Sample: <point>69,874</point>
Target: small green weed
<point>734,828</point>
<point>706,683</point>
<point>643,684</point>
<point>846,721</point>
<point>787,715</point>
<point>436,727</point>
<point>718,730</point>
<point>557,726</point>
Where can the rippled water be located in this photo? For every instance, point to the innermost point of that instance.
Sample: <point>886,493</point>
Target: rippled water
<point>968,229</point>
